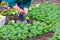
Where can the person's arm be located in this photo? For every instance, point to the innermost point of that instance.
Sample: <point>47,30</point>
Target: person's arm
<point>12,3</point>
<point>18,8</point>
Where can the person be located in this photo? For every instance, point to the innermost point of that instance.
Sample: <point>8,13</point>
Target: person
<point>21,6</point>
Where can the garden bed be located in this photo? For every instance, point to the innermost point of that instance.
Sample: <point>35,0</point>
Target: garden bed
<point>40,24</point>
<point>42,37</point>
<point>45,36</point>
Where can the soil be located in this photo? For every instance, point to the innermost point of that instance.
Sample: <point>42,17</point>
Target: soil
<point>1,39</point>
<point>42,37</point>
<point>30,21</point>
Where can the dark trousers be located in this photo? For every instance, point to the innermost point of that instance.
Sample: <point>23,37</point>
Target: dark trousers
<point>21,17</point>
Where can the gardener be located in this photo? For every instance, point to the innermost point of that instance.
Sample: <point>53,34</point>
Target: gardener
<point>21,6</point>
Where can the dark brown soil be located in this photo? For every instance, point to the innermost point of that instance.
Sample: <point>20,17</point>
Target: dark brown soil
<point>42,37</point>
<point>1,39</point>
<point>30,21</point>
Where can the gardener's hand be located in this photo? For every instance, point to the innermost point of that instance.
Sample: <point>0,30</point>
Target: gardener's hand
<point>18,9</point>
<point>26,10</point>
<point>8,8</point>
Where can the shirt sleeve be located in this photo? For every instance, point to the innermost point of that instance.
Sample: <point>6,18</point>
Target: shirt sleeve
<point>27,4</point>
<point>11,3</point>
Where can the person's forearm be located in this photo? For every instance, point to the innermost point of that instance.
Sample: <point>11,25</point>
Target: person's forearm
<point>16,7</point>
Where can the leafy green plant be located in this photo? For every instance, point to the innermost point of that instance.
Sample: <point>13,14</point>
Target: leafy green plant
<point>46,13</point>
<point>9,12</point>
<point>46,18</point>
<point>22,31</point>
<point>56,35</point>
